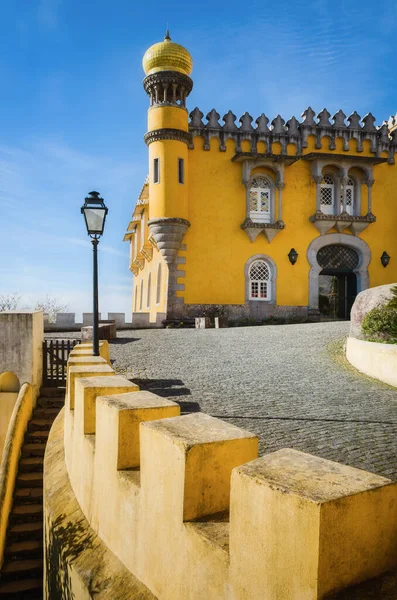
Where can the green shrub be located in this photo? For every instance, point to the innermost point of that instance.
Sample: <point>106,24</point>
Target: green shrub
<point>393,302</point>
<point>381,322</point>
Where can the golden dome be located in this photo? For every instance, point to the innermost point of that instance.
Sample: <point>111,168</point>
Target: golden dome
<point>167,56</point>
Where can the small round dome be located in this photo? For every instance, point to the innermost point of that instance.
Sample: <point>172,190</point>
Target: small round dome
<point>167,56</point>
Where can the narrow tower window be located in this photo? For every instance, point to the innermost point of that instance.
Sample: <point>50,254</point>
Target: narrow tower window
<point>181,170</point>
<point>156,170</point>
<point>158,291</point>
<point>141,298</point>
<point>149,285</point>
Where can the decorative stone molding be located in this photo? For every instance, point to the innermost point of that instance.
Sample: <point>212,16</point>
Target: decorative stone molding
<point>167,133</point>
<point>138,263</point>
<point>168,88</point>
<point>295,132</point>
<point>147,251</point>
<point>357,224</point>
<point>336,238</point>
<point>168,234</point>
<point>270,230</point>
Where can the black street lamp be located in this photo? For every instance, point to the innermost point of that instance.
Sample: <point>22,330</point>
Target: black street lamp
<point>95,211</point>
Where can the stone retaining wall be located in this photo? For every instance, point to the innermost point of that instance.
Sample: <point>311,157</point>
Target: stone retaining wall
<point>191,512</point>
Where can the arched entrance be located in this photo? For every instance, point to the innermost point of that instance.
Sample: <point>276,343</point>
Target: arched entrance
<point>337,280</point>
<point>338,263</point>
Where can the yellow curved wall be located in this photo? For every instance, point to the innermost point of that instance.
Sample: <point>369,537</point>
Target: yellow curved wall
<point>168,198</point>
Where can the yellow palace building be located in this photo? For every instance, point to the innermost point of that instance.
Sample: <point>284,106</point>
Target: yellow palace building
<point>257,219</point>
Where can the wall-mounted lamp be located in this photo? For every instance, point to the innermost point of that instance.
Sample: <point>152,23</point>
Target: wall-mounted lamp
<point>385,259</point>
<point>293,256</point>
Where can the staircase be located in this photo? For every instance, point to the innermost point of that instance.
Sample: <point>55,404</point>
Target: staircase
<point>21,576</point>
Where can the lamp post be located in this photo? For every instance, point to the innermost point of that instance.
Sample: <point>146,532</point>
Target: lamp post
<point>95,211</point>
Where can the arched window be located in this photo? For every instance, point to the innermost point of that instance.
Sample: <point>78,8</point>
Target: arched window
<point>260,200</point>
<point>149,285</point>
<point>158,290</point>
<point>141,298</point>
<point>259,281</point>
<point>327,195</point>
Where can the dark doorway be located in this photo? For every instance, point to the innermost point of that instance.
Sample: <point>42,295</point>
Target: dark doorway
<point>337,281</point>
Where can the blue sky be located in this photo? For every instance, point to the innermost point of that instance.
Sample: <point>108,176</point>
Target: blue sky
<point>73,110</point>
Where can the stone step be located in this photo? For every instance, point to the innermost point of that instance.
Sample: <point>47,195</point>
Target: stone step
<point>24,513</point>
<point>46,413</point>
<point>35,437</point>
<point>21,570</point>
<point>34,464</point>
<point>34,449</point>
<point>40,424</point>
<point>25,549</point>
<point>47,402</point>
<point>34,479</point>
<point>53,392</point>
<point>28,589</point>
<point>32,530</point>
<point>29,495</point>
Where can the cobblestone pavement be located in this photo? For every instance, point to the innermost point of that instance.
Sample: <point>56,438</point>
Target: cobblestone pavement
<point>280,382</point>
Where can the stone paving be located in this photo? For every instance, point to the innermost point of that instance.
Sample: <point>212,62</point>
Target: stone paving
<point>280,382</point>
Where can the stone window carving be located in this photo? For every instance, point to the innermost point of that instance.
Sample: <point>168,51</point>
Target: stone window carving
<point>259,281</point>
<point>260,200</point>
<point>327,195</point>
<point>158,291</point>
<point>149,285</point>
<point>349,187</point>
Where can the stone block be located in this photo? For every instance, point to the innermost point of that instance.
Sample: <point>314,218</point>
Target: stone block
<point>119,418</point>
<point>88,389</point>
<point>106,331</point>
<point>65,320</point>
<point>221,322</point>
<point>202,322</point>
<point>75,360</point>
<point>84,371</point>
<point>118,318</point>
<point>21,346</point>
<point>85,349</point>
<point>88,319</point>
<point>303,527</point>
<point>190,460</point>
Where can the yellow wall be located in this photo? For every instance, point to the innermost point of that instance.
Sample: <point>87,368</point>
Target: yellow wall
<point>151,268</point>
<point>217,248</point>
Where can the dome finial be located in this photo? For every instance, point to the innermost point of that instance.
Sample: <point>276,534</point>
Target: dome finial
<point>167,35</point>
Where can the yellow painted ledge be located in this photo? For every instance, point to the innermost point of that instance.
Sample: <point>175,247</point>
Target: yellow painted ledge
<point>77,563</point>
<point>376,360</point>
<point>12,449</point>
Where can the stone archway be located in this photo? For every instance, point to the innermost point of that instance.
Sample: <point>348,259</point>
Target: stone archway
<point>361,270</point>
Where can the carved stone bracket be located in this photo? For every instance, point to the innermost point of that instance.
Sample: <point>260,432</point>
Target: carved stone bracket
<point>139,263</point>
<point>357,224</point>
<point>270,230</point>
<point>168,234</point>
<point>147,251</point>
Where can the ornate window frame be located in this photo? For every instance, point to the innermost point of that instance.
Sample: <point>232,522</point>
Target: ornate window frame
<point>344,239</point>
<point>259,216</point>
<point>272,279</point>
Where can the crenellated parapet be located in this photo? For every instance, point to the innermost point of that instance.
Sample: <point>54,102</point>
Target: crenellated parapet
<point>382,138</point>
<point>189,509</point>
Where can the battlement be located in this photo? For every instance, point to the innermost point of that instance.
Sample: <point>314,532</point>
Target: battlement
<point>382,139</point>
<point>185,504</point>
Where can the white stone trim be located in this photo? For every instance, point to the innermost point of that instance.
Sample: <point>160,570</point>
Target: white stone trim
<point>361,271</point>
<point>272,281</point>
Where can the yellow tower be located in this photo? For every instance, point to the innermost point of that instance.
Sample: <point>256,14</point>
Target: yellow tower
<point>167,68</point>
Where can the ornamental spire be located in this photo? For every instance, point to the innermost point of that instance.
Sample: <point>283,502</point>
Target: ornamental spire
<point>167,35</point>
